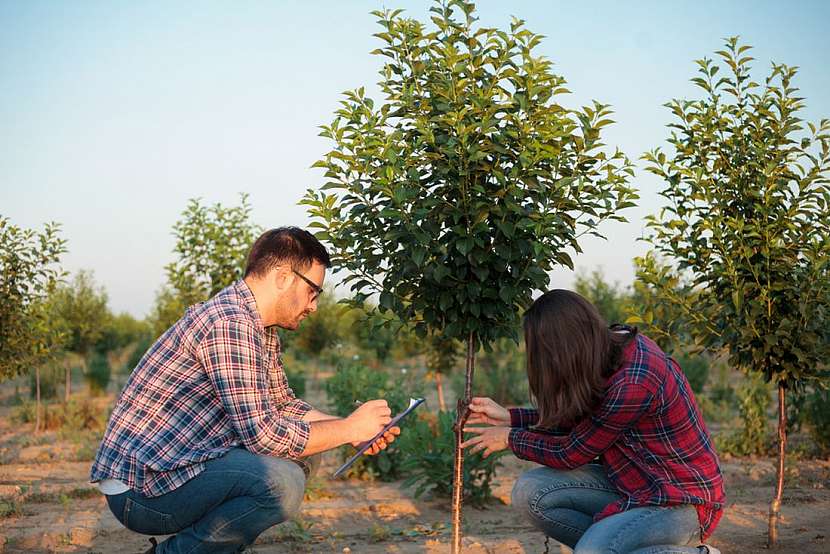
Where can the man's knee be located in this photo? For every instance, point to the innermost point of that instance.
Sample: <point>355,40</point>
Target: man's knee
<point>283,487</point>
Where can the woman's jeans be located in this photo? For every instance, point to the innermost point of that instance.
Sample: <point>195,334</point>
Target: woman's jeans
<point>562,505</point>
<point>223,509</point>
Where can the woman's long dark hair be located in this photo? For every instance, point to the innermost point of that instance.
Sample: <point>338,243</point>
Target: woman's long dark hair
<point>570,354</point>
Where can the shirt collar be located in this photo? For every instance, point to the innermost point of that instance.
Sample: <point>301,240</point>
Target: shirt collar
<point>248,300</point>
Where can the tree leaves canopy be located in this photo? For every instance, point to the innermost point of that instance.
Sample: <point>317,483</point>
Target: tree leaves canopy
<point>454,197</point>
<point>744,234</point>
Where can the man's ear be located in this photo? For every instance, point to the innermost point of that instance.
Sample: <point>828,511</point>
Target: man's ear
<point>283,277</point>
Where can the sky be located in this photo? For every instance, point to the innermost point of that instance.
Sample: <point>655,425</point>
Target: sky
<point>114,113</point>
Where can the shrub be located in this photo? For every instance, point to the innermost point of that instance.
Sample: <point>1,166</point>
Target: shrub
<point>752,437</point>
<point>296,380</point>
<point>358,383</point>
<point>73,416</point>
<point>818,417</point>
<point>428,446</point>
<point>696,369</point>
<point>722,392</point>
<point>98,373</point>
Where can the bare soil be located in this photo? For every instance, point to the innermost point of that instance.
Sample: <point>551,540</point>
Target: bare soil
<point>48,506</point>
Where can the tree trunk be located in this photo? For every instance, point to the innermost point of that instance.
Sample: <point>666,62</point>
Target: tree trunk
<point>461,419</point>
<point>775,505</point>
<point>37,399</point>
<point>68,388</point>
<point>440,387</point>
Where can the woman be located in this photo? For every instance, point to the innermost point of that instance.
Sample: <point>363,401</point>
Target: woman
<point>628,464</point>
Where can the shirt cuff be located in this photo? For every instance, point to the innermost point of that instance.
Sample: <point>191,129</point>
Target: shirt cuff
<point>513,439</point>
<point>297,433</point>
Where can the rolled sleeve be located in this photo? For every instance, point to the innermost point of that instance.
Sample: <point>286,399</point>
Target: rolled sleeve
<point>232,354</point>
<point>621,408</point>
<point>295,409</point>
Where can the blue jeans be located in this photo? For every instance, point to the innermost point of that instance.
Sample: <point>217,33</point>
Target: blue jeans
<point>562,505</point>
<point>223,509</point>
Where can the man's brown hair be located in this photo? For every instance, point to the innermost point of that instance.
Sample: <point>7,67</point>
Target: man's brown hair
<point>285,245</point>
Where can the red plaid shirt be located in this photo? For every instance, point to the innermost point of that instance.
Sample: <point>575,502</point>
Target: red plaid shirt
<point>647,432</point>
<point>212,382</point>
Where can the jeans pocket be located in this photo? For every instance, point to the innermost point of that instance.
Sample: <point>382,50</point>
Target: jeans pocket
<point>144,520</point>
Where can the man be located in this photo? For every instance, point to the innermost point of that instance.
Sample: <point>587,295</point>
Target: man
<point>207,441</point>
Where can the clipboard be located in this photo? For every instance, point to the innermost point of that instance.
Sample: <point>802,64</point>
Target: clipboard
<point>413,403</point>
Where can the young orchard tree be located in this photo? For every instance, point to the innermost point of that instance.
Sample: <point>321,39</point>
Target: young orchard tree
<point>28,274</point>
<point>80,308</point>
<point>454,197</point>
<point>745,232</point>
<point>212,243</point>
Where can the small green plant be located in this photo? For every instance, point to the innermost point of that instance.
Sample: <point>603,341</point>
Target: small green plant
<point>355,383</point>
<point>296,530</point>
<point>752,437</point>
<point>428,446</point>
<point>316,489</point>
<point>80,416</point>
<point>379,533</point>
<point>10,507</point>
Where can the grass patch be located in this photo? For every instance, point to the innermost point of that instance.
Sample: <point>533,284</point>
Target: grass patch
<point>10,507</point>
<point>63,497</point>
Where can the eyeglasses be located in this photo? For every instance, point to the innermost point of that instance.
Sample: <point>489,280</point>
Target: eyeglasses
<point>318,290</point>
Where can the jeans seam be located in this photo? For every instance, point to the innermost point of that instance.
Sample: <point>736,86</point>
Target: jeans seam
<point>225,525</point>
<point>534,503</point>
<point>622,532</point>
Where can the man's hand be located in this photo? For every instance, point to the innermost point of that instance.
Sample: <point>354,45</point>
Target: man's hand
<point>368,420</point>
<point>486,411</point>
<point>384,441</point>
<point>489,439</point>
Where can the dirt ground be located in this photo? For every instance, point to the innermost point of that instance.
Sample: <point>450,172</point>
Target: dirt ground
<point>50,507</point>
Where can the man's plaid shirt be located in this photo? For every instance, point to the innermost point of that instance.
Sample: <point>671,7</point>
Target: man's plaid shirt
<point>647,432</point>
<point>212,382</point>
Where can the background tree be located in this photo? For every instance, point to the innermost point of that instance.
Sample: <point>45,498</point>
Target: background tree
<point>665,322</point>
<point>122,331</point>
<point>454,197</point>
<point>80,307</point>
<point>745,230</point>
<point>212,244</point>
<point>28,273</point>
<point>322,329</point>
<point>609,299</point>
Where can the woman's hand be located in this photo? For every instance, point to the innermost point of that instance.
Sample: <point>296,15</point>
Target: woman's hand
<point>486,411</point>
<point>489,439</point>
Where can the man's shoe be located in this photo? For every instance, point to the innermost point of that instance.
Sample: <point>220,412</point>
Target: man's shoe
<point>152,549</point>
<point>708,549</point>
